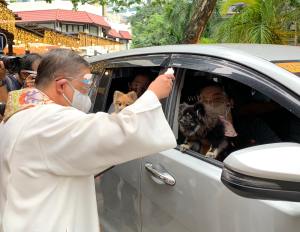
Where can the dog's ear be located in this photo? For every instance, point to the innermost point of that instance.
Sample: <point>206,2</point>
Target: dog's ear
<point>132,95</point>
<point>117,94</point>
<point>183,106</point>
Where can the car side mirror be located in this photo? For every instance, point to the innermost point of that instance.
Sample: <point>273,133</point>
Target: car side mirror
<point>269,172</point>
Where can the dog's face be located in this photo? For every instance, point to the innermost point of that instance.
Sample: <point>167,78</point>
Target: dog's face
<point>122,100</point>
<point>195,119</point>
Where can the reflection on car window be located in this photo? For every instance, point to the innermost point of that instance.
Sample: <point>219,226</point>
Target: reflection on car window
<point>217,116</point>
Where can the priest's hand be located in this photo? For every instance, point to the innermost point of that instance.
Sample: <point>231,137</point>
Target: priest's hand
<point>162,85</point>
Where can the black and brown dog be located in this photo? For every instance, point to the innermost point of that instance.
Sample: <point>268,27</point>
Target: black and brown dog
<point>204,132</point>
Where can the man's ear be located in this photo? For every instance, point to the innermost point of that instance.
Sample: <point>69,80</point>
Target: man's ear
<point>61,85</point>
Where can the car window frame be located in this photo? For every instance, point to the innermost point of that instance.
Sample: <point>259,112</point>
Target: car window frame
<point>254,79</point>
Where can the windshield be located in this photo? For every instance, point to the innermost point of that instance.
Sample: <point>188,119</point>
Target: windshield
<point>292,66</point>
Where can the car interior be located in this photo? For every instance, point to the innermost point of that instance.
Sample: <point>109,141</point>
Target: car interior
<point>249,104</point>
<point>122,77</point>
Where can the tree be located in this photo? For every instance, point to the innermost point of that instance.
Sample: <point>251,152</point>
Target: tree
<point>171,22</point>
<point>149,27</point>
<point>160,23</point>
<point>202,12</point>
<point>261,21</point>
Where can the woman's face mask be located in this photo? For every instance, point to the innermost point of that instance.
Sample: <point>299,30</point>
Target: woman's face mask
<point>80,101</point>
<point>221,110</point>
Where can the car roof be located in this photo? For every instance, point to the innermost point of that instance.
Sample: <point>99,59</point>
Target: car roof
<point>255,56</point>
<point>268,52</point>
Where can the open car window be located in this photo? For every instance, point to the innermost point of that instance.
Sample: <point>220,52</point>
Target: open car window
<point>254,118</point>
<point>127,79</point>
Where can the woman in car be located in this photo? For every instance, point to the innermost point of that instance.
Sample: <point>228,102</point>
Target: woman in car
<point>240,131</point>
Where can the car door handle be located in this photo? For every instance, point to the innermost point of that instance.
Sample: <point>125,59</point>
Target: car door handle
<point>162,176</point>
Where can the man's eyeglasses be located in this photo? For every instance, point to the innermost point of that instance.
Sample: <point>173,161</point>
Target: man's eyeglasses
<point>88,80</point>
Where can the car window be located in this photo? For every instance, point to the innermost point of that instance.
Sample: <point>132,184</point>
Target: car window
<point>215,115</point>
<point>127,79</point>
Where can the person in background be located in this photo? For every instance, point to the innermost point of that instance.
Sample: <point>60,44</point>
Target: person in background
<point>23,78</point>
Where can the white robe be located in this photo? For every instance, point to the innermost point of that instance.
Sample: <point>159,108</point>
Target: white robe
<point>49,155</point>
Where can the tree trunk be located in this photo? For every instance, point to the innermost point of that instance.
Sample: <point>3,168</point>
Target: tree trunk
<point>201,14</point>
<point>296,34</point>
<point>103,7</point>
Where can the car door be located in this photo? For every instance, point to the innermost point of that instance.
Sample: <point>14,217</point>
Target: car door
<point>182,192</point>
<point>118,189</point>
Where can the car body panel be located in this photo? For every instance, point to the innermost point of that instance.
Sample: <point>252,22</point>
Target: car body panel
<point>199,202</point>
<point>118,198</point>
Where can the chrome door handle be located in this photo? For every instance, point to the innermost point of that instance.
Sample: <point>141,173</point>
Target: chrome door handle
<point>164,177</point>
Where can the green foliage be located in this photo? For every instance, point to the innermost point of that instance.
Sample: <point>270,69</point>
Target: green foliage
<point>227,4</point>
<point>264,21</point>
<point>204,40</point>
<point>160,23</point>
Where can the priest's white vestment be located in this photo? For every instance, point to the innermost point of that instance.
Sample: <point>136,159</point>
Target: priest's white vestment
<point>49,155</point>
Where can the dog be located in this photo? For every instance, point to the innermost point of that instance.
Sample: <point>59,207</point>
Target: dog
<point>202,127</point>
<point>122,100</point>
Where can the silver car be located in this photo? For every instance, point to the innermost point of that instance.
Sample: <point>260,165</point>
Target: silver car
<point>256,188</point>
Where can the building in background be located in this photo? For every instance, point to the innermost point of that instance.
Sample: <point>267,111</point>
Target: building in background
<point>56,24</point>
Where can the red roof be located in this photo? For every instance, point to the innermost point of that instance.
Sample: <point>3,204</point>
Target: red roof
<point>125,35</point>
<point>62,15</point>
<point>114,33</point>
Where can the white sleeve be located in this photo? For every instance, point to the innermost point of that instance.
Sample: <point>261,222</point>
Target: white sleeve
<point>74,143</point>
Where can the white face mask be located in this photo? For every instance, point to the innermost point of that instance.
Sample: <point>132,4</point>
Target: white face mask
<point>80,101</point>
<point>221,110</point>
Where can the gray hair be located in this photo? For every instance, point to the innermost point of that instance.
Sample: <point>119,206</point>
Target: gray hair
<point>59,62</point>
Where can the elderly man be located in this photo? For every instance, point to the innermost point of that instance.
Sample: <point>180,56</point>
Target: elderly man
<point>51,150</point>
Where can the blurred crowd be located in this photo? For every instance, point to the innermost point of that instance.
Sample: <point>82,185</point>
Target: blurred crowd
<point>16,73</point>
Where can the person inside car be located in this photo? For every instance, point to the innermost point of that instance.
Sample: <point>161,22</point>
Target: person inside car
<point>244,132</point>
<point>139,85</point>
